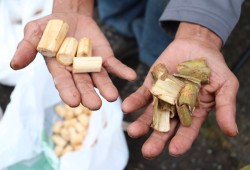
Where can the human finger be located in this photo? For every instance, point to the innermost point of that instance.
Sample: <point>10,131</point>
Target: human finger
<point>157,141</point>
<point>89,97</point>
<point>105,85</point>
<point>225,99</point>
<point>64,82</point>
<point>141,126</point>
<point>137,100</point>
<point>26,50</point>
<point>185,136</point>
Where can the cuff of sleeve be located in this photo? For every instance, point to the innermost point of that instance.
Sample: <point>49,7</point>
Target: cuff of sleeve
<point>171,18</point>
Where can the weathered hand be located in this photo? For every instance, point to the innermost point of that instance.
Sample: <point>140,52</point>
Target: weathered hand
<point>75,88</point>
<point>219,92</point>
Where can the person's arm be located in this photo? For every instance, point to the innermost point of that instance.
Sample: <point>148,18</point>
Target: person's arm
<point>85,7</point>
<point>198,32</point>
<point>218,16</point>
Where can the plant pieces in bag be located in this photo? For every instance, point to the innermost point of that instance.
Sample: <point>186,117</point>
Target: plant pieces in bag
<point>69,132</point>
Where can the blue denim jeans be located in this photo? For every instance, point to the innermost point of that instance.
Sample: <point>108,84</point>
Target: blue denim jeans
<point>139,19</point>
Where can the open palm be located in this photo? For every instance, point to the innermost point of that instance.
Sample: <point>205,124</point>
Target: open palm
<point>219,92</point>
<point>75,88</point>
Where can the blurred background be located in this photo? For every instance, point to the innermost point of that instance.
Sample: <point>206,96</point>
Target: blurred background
<point>212,150</point>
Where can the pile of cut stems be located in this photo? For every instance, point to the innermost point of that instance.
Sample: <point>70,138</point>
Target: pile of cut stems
<point>177,94</point>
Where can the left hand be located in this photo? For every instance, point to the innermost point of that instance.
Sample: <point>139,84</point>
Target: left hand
<point>220,91</point>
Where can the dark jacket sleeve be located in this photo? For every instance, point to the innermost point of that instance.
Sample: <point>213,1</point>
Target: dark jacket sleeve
<point>220,16</point>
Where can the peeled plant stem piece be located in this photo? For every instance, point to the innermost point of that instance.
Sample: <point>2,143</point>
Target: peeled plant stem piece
<point>167,90</point>
<point>67,51</point>
<point>87,64</point>
<point>52,38</point>
<point>84,47</point>
<point>200,73</point>
<point>188,78</point>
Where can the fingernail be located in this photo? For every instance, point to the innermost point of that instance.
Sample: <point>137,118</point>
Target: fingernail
<point>11,66</point>
<point>131,136</point>
<point>173,155</point>
<point>236,129</point>
<point>149,158</point>
<point>125,113</point>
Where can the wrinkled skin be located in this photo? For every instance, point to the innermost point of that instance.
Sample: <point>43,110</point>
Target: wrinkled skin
<point>219,92</point>
<point>75,88</point>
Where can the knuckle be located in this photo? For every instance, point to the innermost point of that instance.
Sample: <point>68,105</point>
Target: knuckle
<point>32,29</point>
<point>235,81</point>
<point>29,25</point>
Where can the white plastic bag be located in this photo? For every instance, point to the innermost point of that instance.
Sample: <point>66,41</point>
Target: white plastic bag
<point>24,136</point>
<point>14,15</point>
<point>23,126</point>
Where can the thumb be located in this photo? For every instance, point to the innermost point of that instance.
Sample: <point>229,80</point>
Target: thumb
<point>226,106</point>
<point>26,50</point>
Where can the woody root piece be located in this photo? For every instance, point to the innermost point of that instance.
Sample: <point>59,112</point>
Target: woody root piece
<point>177,94</point>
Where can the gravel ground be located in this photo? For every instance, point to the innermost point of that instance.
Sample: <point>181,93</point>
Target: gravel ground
<point>212,150</point>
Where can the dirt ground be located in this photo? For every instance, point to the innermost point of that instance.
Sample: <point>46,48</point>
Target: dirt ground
<point>212,150</point>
